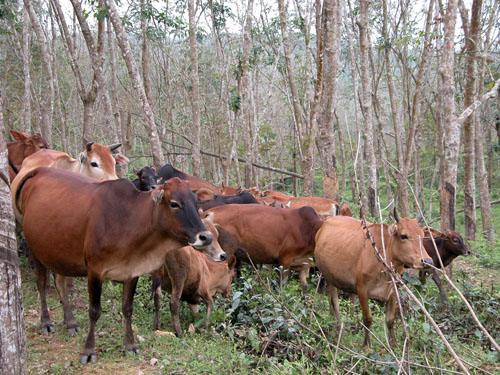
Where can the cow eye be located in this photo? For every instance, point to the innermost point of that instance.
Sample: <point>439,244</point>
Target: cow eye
<point>94,164</point>
<point>404,237</point>
<point>455,240</point>
<point>43,147</point>
<point>174,204</point>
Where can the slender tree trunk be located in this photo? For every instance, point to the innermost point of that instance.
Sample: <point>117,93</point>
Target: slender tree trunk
<point>246,107</point>
<point>48,97</point>
<point>329,51</point>
<point>195,94</point>
<point>133,72</point>
<point>12,334</point>
<point>26,73</point>
<point>114,91</point>
<point>451,128</point>
<point>366,102</point>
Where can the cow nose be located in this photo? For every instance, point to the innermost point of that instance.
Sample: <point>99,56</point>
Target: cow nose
<point>469,252</point>
<point>202,240</point>
<point>223,257</point>
<point>427,262</point>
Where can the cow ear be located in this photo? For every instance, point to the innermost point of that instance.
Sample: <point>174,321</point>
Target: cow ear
<point>220,185</point>
<point>134,170</point>
<point>121,159</point>
<point>393,229</point>
<point>20,136</point>
<point>232,262</point>
<point>158,196</point>
<point>82,158</point>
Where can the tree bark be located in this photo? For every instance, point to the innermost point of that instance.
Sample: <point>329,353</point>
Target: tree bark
<point>48,97</point>
<point>329,52</point>
<point>450,127</point>
<point>246,107</point>
<point>195,94</point>
<point>158,159</point>
<point>26,73</point>
<point>12,334</point>
<point>366,102</point>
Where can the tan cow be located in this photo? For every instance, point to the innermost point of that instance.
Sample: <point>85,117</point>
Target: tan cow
<point>276,195</point>
<point>348,262</point>
<point>324,207</point>
<point>96,161</point>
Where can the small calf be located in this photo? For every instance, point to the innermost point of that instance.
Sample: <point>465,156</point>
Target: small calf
<point>146,179</point>
<point>450,245</point>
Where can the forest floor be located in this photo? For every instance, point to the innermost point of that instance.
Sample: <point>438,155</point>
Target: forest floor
<point>212,352</point>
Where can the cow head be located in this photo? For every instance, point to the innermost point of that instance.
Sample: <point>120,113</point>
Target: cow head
<point>32,143</point>
<point>98,162</point>
<point>406,244</point>
<point>147,178</point>
<point>177,216</point>
<point>455,244</point>
<point>214,250</point>
<point>227,190</point>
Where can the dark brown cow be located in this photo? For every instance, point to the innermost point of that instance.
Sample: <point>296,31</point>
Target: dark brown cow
<point>324,207</point>
<point>190,276</point>
<point>168,171</point>
<point>24,146</point>
<point>76,226</point>
<point>219,200</point>
<point>450,245</point>
<point>345,210</point>
<point>146,179</point>
<point>270,235</point>
<point>348,262</point>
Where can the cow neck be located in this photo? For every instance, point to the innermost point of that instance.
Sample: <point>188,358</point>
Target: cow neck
<point>148,215</point>
<point>446,255</point>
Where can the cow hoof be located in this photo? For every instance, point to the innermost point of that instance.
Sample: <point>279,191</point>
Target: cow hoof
<point>72,331</point>
<point>48,328</point>
<point>86,358</point>
<point>133,350</point>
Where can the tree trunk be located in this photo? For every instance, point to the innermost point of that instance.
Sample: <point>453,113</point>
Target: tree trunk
<point>26,73</point>
<point>366,102</point>
<point>133,72</point>
<point>450,126</point>
<point>329,51</point>
<point>12,334</point>
<point>48,101</point>
<point>195,94</point>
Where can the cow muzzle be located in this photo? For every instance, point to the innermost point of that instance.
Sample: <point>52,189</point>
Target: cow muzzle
<point>202,240</point>
<point>427,262</point>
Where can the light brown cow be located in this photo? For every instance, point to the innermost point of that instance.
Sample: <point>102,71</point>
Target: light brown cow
<point>96,161</point>
<point>324,207</point>
<point>24,146</point>
<point>190,276</point>
<point>270,235</point>
<point>345,210</point>
<point>228,190</point>
<point>348,262</point>
<point>276,195</point>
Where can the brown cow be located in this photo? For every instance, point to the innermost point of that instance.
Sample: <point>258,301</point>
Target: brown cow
<point>324,207</point>
<point>228,190</point>
<point>95,161</point>
<point>276,195</point>
<point>449,244</point>
<point>345,210</point>
<point>168,171</point>
<point>348,262</point>
<point>76,226</point>
<point>24,146</point>
<point>189,275</point>
<point>270,235</point>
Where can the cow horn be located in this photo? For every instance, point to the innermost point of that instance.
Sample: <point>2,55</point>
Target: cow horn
<point>420,216</point>
<point>114,146</point>
<point>395,214</point>
<point>88,146</point>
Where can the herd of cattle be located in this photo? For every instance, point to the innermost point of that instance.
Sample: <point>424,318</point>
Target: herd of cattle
<point>79,219</point>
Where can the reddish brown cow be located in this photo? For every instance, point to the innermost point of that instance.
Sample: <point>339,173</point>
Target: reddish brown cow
<point>24,146</point>
<point>189,275</point>
<point>324,207</point>
<point>348,262</point>
<point>228,190</point>
<point>95,161</point>
<point>76,226</point>
<point>276,195</point>
<point>168,171</point>
<point>270,235</point>
<point>345,210</point>
<point>449,244</point>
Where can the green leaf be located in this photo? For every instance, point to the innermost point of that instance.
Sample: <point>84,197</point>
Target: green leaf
<point>427,327</point>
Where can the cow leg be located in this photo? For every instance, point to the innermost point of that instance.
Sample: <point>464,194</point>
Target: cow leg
<point>177,286</point>
<point>210,305</point>
<point>303,275</point>
<point>390,315</point>
<point>69,318</point>
<point>157,298</point>
<point>333,298</point>
<point>421,276</point>
<point>95,290</point>
<point>127,309</point>
<point>367,316</point>
<point>41,283</point>
<point>437,280</point>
